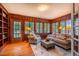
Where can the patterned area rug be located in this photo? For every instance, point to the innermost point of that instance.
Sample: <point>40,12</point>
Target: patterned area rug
<point>41,51</point>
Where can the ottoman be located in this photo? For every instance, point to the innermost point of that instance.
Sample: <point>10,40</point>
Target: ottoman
<point>47,44</point>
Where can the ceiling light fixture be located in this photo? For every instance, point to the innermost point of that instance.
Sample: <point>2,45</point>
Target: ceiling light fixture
<point>42,7</point>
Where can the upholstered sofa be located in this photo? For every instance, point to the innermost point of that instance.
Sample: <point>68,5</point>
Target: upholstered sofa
<point>62,40</point>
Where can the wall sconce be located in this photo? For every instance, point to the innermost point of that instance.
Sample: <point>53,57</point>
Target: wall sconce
<point>60,27</point>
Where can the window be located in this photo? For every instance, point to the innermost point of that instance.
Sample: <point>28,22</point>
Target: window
<point>32,26</point>
<point>48,28</point>
<point>68,26</point>
<point>29,27</point>
<point>37,28</point>
<point>56,27</point>
<point>41,27</point>
<point>53,27</point>
<point>62,26</point>
<point>26,27</point>
<point>45,27</point>
<point>17,29</point>
<point>76,27</point>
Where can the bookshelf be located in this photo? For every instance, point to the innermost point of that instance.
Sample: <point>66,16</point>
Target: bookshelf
<point>75,25</point>
<point>4,26</point>
<point>76,35</point>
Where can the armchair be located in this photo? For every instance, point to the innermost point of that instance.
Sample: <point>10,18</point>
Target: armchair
<point>33,38</point>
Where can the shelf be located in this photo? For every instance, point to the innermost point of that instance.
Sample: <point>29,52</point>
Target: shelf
<point>4,14</point>
<point>0,33</point>
<point>1,43</point>
<point>0,36</point>
<point>0,20</point>
<point>76,53</point>
<point>3,26</point>
<point>1,14</point>
<point>0,11</point>
<point>0,39</point>
<point>5,33</point>
<point>5,22</point>
<point>5,38</point>
<point>0,27</point>
<point>76,39</point>
<point>5,18</point>
<point>0,30</point>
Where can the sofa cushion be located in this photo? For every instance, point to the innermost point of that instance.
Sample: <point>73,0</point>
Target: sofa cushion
<point>62,38</point>
<point>62,41</point>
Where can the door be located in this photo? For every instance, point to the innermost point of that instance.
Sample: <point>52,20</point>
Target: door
<point>17,35</point>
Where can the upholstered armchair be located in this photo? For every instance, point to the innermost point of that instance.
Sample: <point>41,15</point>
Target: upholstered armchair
<point>33,38</point>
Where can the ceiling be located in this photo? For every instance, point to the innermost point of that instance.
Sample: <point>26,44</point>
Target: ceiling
<point>53,10</point>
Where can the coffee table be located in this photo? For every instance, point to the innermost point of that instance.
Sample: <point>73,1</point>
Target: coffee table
<point>47,44</point>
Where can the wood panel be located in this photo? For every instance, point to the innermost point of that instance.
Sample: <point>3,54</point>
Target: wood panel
<point>26,19</point>
<point>59,19</point>
<point>62,18</point>
<point>23,18</point>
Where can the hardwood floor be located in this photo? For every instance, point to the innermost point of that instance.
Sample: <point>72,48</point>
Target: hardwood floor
<point>17,49</point>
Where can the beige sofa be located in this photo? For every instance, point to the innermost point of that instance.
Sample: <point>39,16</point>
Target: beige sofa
<point>62,40</point>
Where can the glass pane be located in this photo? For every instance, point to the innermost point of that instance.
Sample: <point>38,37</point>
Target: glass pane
<point>62,26</point>
<point>53,27</point>
<point>57,27</point>
<point>17,29</point>
<point>41,27</point>
<point>16,35</point>
<point>26,27</point>
<point>48,28</point>
<point>68,26</point>
<point>37,27</point>
<point>27,24</point>
<point>45,27</point>
<point>19,35</point>
<point>76,27</point>
<point>32,26</point>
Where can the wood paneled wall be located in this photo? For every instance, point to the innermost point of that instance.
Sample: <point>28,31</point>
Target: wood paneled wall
<point>15,17</point>
<point>22,18</point>
<point>59,19</point>
<point>62,18</point>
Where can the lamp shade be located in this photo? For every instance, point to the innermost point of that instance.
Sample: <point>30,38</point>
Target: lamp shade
<point>27,29</point>
<point>60,27</point>
<point>68,27</point>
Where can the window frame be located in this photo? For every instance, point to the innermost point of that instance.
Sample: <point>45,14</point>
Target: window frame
<point>14,33</point>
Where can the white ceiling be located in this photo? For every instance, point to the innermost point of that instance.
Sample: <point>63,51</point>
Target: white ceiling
<point>54,10</point>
